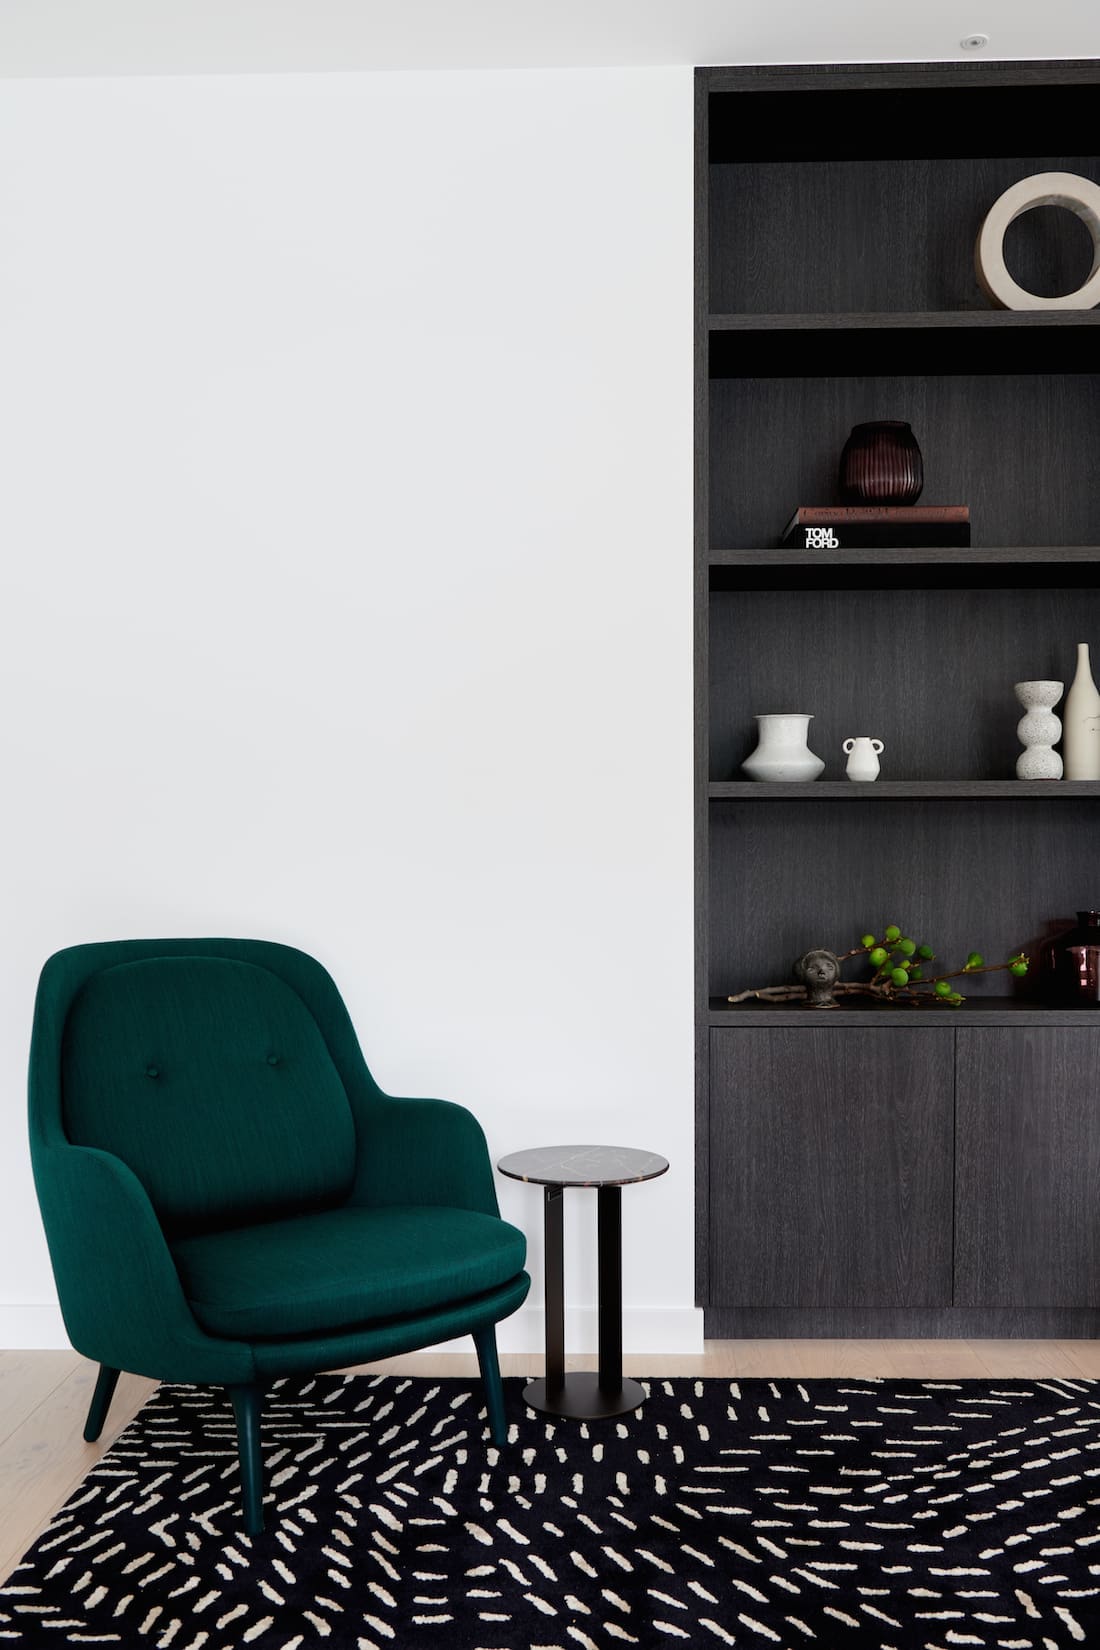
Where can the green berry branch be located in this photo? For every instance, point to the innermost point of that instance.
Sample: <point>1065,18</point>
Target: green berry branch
<point>898,973</point>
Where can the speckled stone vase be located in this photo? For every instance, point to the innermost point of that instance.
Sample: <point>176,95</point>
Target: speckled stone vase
<point>1038,730</point>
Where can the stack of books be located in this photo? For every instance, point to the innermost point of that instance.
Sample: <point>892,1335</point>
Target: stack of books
<point>880,526</point>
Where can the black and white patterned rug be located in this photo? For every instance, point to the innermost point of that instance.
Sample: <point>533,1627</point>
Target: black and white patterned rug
<point>882,1514</point>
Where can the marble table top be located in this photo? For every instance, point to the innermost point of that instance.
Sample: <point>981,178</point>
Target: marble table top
<point>583,1165</point>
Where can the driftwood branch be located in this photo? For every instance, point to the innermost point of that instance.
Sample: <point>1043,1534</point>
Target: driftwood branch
<point>920,991</point>
<point>793,993</point>
<point>771,993</point>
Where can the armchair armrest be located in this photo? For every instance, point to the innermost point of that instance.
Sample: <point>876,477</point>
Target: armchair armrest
<point>120,1292</point>
<point>422,1151</point>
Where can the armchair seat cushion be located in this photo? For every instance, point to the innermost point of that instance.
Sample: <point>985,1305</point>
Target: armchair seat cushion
<point>319,1272</point>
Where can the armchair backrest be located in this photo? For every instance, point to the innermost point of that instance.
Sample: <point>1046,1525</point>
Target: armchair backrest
<point>205,1067</point>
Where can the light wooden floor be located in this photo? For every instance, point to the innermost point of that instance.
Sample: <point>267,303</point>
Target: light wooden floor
<point>44,1398</point>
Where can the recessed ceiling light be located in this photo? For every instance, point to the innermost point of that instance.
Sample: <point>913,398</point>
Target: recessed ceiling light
<point>974,42</point>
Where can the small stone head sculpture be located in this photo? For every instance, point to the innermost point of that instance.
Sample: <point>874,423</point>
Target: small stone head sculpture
<point>818,971</point>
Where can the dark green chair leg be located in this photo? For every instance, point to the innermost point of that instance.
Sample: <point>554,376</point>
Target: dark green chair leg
<point>246,1408</point>
<point>106,1381</point>
<point>486,1342</point>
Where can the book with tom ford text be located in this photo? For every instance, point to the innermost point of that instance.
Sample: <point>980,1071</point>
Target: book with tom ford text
<point>849,527</point>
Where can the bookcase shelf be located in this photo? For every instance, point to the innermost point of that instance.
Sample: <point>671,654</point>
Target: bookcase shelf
<point>837,209</point>
<point>975,1012</point>
<point>942,343</point>
<point>984,556</point>
<point>997,320</point>
<point>845,349</point>
<point>887,790</point>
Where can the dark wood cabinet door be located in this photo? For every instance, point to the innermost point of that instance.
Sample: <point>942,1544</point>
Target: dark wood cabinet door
<point>831,1167</point>
<point>1027,1210</point>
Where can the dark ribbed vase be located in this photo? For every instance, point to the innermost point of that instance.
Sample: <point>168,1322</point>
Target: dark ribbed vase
<point>881,464</point>
<point>1070,963</point>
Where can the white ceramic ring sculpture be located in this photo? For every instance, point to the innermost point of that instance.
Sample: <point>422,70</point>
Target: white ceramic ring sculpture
<point>1077,195</point>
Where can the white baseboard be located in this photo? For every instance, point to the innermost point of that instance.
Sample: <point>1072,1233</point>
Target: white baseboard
<point>32,1328</point>
<point>656,1329</point>
<point>645,1329</point>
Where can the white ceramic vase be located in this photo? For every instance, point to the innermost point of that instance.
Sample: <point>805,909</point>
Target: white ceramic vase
<point>1038,730</point>
<point>863,755</point>
<point>782,754</point>
<point>1081,722</point>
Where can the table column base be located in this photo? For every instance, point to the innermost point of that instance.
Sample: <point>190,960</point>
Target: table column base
<point>580,1397</point>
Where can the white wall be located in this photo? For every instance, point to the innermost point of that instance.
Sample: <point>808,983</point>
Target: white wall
<point>345,545</point>
<point>72,37</point>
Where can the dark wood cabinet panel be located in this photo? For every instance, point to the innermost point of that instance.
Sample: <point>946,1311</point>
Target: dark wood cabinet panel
<point>1027,1207</point>
<point>831,1168</point>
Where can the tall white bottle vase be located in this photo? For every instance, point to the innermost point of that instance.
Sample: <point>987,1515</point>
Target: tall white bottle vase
<point>1038,730</point>
<point>1081,722</point>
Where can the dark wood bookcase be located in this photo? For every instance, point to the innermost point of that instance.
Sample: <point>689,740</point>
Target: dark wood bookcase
<point>875,1170</point>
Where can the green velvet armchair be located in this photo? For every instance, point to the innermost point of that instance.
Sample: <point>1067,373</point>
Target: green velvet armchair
<point>229,1197</point>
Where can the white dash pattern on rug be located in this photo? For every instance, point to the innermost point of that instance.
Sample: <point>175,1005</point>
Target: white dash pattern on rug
<point>880,1515</point>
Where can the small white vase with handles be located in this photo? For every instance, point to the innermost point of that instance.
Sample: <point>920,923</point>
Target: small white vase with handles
<point>863,755</point>
<point>1039,730</point>
<point>782,754</point>
<point>1081,722</point>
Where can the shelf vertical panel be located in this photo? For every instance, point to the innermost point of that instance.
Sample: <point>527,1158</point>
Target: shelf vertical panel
<point>702,684</point>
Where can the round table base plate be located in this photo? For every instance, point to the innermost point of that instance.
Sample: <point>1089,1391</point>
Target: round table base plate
<point>580,1398</point>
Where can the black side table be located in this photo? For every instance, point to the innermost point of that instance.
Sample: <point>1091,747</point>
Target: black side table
<point>584,1395</point>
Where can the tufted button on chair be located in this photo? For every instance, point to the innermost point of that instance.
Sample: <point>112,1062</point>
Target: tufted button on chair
<point>227,1194</point>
